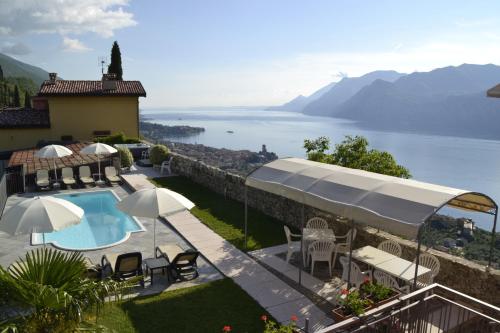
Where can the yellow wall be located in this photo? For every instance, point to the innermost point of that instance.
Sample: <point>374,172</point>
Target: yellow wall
<point>78,117</point>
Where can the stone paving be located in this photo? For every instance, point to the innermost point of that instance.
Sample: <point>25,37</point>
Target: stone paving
<point>11,248</point>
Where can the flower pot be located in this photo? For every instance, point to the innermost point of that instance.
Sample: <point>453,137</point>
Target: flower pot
<point>394,296</point>
<point>338,315</point>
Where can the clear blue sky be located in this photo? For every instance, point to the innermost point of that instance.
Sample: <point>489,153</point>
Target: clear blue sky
<point>240,52</point>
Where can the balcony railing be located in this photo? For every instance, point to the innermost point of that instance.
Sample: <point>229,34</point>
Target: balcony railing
<point>433,309</point>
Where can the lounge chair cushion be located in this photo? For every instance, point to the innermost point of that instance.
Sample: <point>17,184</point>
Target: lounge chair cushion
<point>67,176</point>
<point>171,250</point>
<point>42,178</point>
<point>110,173</point>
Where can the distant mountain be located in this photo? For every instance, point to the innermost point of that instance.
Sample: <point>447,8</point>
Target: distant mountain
<point>345,89</point>
<point>15,68</point>
<point>300,102</point>
<point>448,101</point>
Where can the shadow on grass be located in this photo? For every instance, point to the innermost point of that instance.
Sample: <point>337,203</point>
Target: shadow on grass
<point>226,216</point>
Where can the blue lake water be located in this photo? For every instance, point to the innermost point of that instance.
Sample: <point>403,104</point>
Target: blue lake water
<point>466,163</point>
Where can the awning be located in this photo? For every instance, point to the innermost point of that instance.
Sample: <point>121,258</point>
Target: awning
<point>393,204</point>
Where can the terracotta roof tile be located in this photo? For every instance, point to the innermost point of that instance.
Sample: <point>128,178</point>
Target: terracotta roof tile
<point>90,88</point>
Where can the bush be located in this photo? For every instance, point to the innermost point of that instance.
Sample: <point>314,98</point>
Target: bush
<point>126,158</point>
<point>117,138</point>
<point>158,154</point>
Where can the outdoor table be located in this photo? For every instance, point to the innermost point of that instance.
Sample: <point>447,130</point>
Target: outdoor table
<point>389,263</point>
<point>310,235</point>
<point>153,264</point>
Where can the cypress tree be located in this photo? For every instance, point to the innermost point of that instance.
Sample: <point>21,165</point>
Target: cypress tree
<point>16,100</point>
<point>1,73</point>
<point>115,66</point>
<point>27,100</point>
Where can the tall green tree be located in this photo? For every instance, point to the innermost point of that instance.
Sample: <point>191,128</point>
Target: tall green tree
<point>16,100</point>
<point>115,65</point>
<point>27,100</point>
<point>1,73</point>
<point>353,153</point>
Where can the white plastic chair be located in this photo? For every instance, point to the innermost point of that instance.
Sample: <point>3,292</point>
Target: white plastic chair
<point>357,275</point>
<point>429,261</point>
<point>317,223</point>
<point>321,251</point>
<point>165,165</point>
<point>388,281</point>
<point>343,247</point>
<point>391,247</point>
<point>293,246</point>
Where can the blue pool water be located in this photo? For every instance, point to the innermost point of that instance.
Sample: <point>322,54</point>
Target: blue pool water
<point>102,225</point>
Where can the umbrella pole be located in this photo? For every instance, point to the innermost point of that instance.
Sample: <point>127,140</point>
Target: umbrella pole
<point>55,170</point>
<point>154,236</point>
<point>43,237</point>
<point>99,167</point>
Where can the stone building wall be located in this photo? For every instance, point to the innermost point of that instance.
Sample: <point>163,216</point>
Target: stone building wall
<point>457,273</point>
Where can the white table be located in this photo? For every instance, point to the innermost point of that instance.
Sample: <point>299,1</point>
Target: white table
<point>310,235</point>
<point>388,263</point>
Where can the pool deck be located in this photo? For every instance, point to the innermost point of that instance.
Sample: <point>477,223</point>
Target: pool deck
<point>12,248</point>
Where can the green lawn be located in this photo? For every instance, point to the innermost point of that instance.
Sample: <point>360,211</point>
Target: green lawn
<point>205,308</point>
<point>227,217</point>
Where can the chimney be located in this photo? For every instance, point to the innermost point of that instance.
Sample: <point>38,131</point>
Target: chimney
<point>109,81</point>
<point>52,78</point>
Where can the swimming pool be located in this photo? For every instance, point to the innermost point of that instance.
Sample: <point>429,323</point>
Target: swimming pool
<point>103,224</point>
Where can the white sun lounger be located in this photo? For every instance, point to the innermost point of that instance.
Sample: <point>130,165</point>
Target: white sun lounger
<point>111,175</point>
<point>68,177</point>
<point>85,176</point>
<point>42,178</point>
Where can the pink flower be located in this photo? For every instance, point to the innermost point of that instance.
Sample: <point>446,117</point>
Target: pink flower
<point>294,318</point>
<point>344,292</point>
<point>263,318</point>
<point>226,328</point>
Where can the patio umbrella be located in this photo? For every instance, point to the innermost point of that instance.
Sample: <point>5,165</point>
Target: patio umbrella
<point>40,215</point>
<point>152,203</point>
<point>98,149</point>
<point>53,152</point>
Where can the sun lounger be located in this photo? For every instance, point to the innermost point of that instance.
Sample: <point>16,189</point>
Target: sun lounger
<point>42,179</point>
<point>111,175</point>
<point>123,266</point>
<point>67,176</point>
<point>181,265</point>
<point>85,176</point>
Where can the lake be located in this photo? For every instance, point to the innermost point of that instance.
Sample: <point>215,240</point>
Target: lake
<point>465,163</point>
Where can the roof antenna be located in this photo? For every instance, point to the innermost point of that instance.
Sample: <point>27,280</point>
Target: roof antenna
<point>102,62</point>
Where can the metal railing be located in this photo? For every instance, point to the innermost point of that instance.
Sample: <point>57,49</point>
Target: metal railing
<point>3,193</point>
<point>434,309</point>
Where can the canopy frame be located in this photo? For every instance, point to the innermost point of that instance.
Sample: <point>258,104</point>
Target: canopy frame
<point>489,208</point>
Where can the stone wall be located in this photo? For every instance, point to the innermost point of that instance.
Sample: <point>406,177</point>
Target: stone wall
<point>457,273</point>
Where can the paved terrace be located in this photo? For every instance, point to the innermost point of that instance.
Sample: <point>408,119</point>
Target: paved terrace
<point>11,248</point>
<point>277,297</point>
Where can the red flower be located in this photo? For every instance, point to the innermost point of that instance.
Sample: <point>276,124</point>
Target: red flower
<point>366,280</point>
<point>294,318</point>
<point>344,292</point>
<point>226,328</point>
<point>263,318</point>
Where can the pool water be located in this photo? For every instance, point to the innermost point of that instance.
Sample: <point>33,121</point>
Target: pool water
<point>103,224</point>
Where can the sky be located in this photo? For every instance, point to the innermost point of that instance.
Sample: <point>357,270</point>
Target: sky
<point>246,53</point>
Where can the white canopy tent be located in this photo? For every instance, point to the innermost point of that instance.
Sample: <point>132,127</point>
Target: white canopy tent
<point>400,206</point>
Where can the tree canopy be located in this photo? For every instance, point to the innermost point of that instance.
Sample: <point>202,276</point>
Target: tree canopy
<point>115,67</point>
<point>16,100</point>
<point>353,153</point>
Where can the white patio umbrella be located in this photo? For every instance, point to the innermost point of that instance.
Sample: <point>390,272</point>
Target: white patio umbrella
<point>98,149</point>
<point>152,203</point>
<point>40,215</point>
<point>53,152</point>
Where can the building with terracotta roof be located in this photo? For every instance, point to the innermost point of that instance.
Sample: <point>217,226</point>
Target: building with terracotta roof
<point>73,110</point>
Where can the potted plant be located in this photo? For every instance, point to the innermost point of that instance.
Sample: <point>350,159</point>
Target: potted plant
<point>377,293</point>
<point>351,304</point>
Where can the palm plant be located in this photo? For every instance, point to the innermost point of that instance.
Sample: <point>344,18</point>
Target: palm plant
<point>51,286</point>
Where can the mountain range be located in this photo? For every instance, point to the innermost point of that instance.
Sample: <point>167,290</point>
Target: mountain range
<point>448,101</point>
<point>15,68</point>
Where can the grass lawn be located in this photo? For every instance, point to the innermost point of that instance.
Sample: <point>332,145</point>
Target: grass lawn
<point>226,216</point>
<point>205,308</point>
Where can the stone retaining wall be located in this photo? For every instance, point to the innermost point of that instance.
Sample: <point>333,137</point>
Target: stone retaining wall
<point>457,273</point>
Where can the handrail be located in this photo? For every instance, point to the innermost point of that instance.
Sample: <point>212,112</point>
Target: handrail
<point>3,193</point>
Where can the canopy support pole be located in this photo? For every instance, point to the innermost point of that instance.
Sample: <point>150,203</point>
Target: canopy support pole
<point>493,234</point>
<point>302,217</point>
<point>351,236</point>
<point>246,216</point>
<point>417,259</point>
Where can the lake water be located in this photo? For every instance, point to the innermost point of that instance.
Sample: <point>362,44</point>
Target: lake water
<point>471,164</point>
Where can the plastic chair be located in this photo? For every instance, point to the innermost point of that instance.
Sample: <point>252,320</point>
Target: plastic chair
<point>344,247</point>
<point>317,223</point>
<point>388,281</point>
<point>357,275</point>
<point>292,245</point>
<point>165,165</point>
<point>321,251</point>
<point>429,261</point>
<point>391,247</point>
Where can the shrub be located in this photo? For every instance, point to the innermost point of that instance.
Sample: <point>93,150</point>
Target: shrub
<point>117,138</point>
<point>126,158</point>
<point>158,154</point>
